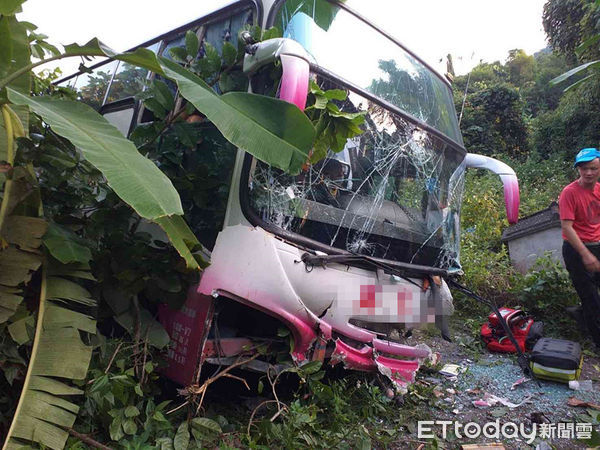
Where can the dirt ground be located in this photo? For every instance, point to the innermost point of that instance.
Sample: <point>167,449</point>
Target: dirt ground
<point>541,404</point>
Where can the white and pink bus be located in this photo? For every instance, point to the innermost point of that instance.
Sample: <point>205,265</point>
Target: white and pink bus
<point>353,252</point>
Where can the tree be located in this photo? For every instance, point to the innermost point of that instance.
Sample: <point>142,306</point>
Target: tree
<point>573,125</point>
<point>58,352</point>
<point>493,123</point>
<point>540,96</point>
<point>521,67</point>
<point>573,29</point>
<point>562,24</point>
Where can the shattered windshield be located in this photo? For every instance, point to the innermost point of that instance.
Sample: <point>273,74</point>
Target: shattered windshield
<point>393,192</point>
<point>349,48</point>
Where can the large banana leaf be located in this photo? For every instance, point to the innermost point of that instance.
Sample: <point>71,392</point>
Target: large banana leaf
<point>18,260</point>
<point>14,53</point>
<point>184,241</point>
<point>272,130</point>
<point>133,177</point>
<point>58,353</point>
<point>140,57</point>
<point>574,71</point>
<point>269,129</point>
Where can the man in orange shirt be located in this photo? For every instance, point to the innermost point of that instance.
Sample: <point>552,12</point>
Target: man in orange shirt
<point>579,206</point>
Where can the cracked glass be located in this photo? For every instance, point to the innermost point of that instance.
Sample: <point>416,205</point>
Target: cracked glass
<point>393,192</point>
<point>341,43</point>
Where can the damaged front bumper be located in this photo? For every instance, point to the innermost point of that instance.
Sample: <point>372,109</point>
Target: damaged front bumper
<point>338,312</point>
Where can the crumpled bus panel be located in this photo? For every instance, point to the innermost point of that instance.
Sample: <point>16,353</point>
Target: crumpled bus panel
<point>259,270</point>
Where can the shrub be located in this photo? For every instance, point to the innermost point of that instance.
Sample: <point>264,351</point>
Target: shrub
<point>545,292</point>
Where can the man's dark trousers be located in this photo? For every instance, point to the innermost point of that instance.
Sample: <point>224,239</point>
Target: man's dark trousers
<point>586,284</point>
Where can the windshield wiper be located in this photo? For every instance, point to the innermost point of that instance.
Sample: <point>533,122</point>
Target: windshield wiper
<point>402,270</point>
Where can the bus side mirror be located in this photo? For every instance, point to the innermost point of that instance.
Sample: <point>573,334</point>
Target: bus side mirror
<point>294,62</point>
<point>508,177</point>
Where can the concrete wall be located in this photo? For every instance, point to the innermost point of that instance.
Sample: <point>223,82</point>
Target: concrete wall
<point>524,251</point>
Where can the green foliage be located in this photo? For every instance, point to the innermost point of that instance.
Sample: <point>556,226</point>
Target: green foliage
<point>483,256</point>
<point>340,414</point>
<point>521,67</point>
<point>136,268</point>
<point>573,29</point>
<point>562,23</point>
<point>541,179</point>
<point>573,125</point>
<point>493,122</point>
<point>66,246</point>
<point>119,403</point>
<point>133,177</point>
<point>540,96</point>
<point>333,126</point>
<point>58,354</point>
<point>152,274</point>
<point>257,124</point>
<point>125,408</point>
<point>545,291</point>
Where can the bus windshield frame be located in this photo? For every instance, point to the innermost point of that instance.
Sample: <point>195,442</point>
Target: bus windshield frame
<point>370,218</point>
<point>357,52</point>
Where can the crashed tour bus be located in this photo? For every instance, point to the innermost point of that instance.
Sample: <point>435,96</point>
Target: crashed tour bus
<point>349,255</point>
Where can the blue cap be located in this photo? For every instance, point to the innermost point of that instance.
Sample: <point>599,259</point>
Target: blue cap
<point>586,155</point>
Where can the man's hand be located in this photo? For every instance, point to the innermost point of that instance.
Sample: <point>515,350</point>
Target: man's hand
<point>591,263</point>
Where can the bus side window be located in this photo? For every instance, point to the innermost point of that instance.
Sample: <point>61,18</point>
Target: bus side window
<point>129,80</point>
<point>91,87</point>
<point>177,41</point>
<point>197,155</point>
<point>227,30</point>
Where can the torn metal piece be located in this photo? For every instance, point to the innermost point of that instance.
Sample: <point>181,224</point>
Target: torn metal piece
<point>353,358</point>
<point>399,371</point>
<point>421,351</point>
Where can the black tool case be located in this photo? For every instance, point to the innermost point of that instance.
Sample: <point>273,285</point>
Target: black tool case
<point>556,359</point>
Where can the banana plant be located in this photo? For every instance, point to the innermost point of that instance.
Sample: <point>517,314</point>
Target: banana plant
<point>64,314</point>
<point>246,120</point>
<point>591,66</point>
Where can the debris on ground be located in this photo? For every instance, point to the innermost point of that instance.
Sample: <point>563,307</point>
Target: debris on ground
<point>491,400</point>
<point>576,402</point>
<point>519,382</point>
<point>492,446</point>
<point>450,370</point>
<point>476,386</point>
<point>581,385</point>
